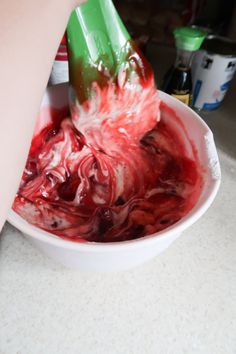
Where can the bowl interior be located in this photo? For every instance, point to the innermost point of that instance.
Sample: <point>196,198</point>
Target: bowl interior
<point>194,133</point>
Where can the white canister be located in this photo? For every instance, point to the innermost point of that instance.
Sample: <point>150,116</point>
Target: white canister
<point>212,71</point>
<point>60,68</point>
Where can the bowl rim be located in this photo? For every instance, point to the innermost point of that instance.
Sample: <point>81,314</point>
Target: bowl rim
<point>166,234</point>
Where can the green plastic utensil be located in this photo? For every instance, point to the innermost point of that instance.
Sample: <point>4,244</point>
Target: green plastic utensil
<point>97,41</point>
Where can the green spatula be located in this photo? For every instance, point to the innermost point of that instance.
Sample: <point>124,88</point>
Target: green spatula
<point>99,47</point>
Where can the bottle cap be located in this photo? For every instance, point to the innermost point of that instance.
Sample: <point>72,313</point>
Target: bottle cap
<point>188,38</point>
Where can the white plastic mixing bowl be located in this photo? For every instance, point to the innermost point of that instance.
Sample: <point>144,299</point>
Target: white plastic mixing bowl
<point>107,257</point>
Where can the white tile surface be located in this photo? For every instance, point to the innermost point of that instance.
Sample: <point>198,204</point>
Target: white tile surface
<point>181,302</point>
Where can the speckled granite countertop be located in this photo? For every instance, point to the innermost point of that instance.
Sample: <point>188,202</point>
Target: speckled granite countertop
<point>181,302</point>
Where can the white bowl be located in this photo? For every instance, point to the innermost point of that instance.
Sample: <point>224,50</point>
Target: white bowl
<point>107,257</point>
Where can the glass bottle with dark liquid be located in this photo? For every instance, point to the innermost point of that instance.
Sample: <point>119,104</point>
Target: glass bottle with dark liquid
<point>178,80</point>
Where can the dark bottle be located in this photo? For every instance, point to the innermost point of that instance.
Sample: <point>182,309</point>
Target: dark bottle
<point>178,80</point>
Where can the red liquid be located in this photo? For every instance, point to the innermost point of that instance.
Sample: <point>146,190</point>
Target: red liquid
<point>112,172</point>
